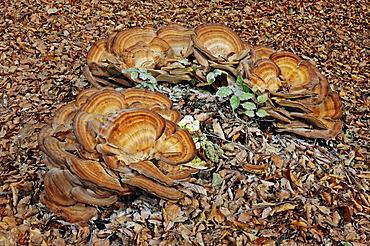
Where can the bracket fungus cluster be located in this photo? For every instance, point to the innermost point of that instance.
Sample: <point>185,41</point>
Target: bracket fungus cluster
<point>107,143</point>
<point>300,98</point>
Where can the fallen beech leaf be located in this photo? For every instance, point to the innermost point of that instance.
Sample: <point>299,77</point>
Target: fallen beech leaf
<point>284,207</point>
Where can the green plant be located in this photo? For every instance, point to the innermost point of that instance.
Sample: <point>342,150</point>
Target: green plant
<point>240,95</point>
<point>146,78</point>
<point>211,76</point>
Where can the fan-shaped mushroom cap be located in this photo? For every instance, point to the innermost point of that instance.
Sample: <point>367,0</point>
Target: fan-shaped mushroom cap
<point>84,95</point>
<point>175,148</point>
<point>153,187</point>
<point>64,115</point>
<point>159,46</point>
<point>52,147</point>
<point>139,55</point>
<point>261,52</point>
<point>176,173</point>
<point>333,129</point>
<point>146,98</point>
<point>104,102</point>
<point>73,214</point>
<point>218,41</point>
<point>178,38</point>
<point>98,52</point>
<point>148,169</point>
<point>95,173</point>
<point>321,91</point>
<point>127,38</point>
<point>330,108</point>
<point>133,131</point>
<point>85,128</point>
<point>88,196</point>
<point>106,133</point>
<point>266,75</point>
<point>58,188</point>
<point>299,75</point>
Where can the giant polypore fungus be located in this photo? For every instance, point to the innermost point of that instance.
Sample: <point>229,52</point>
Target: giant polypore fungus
<point>107,143</point>
<point>300,97</point>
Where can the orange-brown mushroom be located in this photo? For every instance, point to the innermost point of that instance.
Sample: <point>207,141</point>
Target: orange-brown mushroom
<point>132,131</point>
<point>261,52</point>
<point>95,173</point>
<point>130,37</point>
<point>217,41</point>
<point>153,187</point>
<point>178,38</point>
<point>176,147</point>
<point>98,52</point>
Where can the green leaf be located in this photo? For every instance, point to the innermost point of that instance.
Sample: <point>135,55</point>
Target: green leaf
<point>239,80</point>
<point>130,70</point>
<point>241,85</point>
<point>224,92</point>
<point>246,96</point>
<point>217,72</point>
<point>263,98</point>
<point>142,70</point>
<point>262,113</point>
<point>249,113</point>
<point>134,75</point>
<point>346,243</point>
<point>210,78</point>
<point>234,102</point>
<point>254,89</point>
<point>249,106</point>
<point>217,179</point>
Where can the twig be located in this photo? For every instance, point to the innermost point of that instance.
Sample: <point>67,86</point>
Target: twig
<point>207,133</point>
<point>262,207</point>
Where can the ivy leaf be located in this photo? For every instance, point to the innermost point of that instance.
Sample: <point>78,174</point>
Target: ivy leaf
<point>249,113</point>
<point>246,96</point>
<point>255,89</point>
<point>234,102</point>
<point>262,113</point>
<point>217,179</point>
<point>262,98</point>
<point>224,91</point>
<point>249,106</point>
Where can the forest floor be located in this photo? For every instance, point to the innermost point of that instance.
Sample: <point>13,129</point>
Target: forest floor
<point>270,189</point>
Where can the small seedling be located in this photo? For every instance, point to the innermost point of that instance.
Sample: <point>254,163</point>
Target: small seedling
<point>211,76</point>
<point>240,94</point>
<point>146,78</point>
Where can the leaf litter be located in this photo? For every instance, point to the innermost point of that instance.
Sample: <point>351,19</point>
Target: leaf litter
<point>265,189</point>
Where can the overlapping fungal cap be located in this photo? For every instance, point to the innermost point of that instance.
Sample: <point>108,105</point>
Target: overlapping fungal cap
<point>138,47</point>
<point>218,42</point>
<point>299,95</point>
<point>107,143</point>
